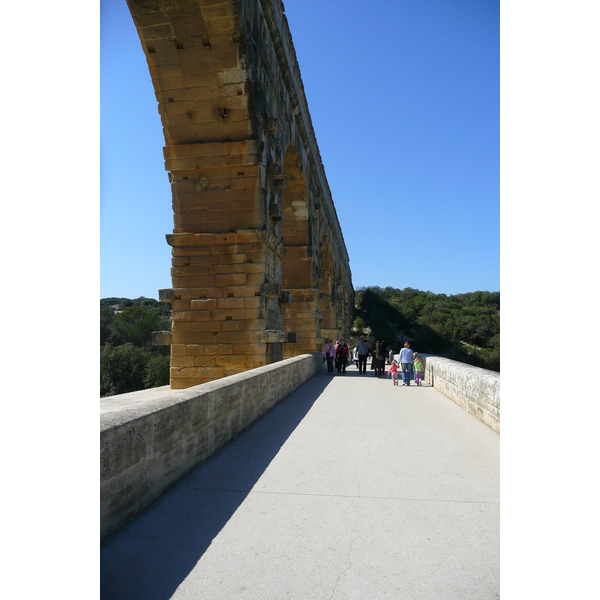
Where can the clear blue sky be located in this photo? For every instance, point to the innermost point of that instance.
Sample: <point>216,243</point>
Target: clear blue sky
<point>405,108</point>
<point>405,101</point>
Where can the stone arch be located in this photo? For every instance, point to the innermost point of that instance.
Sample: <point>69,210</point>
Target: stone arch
<point>327,307</point>
<point>223,256</point>
<point>340,303</point>
<point>300,314</point>
<point>230,99</point>
<point>296,264</point>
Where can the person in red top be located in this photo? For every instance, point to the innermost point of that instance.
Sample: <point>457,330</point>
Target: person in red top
<point>342,356</point>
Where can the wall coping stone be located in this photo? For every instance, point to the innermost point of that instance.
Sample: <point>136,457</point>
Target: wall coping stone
<point>475,389</point>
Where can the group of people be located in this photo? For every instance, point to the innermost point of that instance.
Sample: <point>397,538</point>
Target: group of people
<point>408,361</point>
<point>379,353</point>
<point>336,354</point>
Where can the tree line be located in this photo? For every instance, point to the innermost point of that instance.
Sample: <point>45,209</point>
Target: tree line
<point>463,327</point>
<point>128,360</point>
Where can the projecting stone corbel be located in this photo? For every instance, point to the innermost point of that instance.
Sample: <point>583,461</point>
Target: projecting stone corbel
<point>276,336</point>
<point>276,177</point>
<point>270,290</point>
<point>162,338</point>
<point>166,295</point>
<point>270,125</point>
<point>275,211</point>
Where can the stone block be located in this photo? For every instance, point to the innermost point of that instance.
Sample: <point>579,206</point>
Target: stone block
<point>271,290</point>
<point>203,326</point>
<point>276,336</point>
<point>191,315</point>
<point>194,349</point>
<point>166,295</point>
<point>204,304</point>
<point>162,338</point>
<point>212,349</point>
<point>275,212</point>
<point>182,361</point>
<point>231,279</point>
<point>203,361</point>
<point>210,372</point>
<point>230,302</point>
<point>241,325</point>
<point>183,372</point>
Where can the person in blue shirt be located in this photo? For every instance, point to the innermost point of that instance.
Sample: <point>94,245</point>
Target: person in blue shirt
<point>406,360</point>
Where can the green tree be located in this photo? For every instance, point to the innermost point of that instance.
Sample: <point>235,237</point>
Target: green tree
<point>157,371</point>
<point>122,369</point>
<point>438,323</point>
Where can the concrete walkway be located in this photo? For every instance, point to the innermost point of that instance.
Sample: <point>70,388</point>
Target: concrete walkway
<point>349,488</point>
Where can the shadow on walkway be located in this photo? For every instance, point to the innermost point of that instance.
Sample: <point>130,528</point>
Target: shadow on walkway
<point>150,556</point>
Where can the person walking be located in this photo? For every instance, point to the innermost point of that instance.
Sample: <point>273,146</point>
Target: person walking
<point>355,356</point>
<point>341,352</point>
<point>329,354</point>
<point>378,359</point>
<point>363,349</point>
<point>393,372</point>
<point>419,370</point>
<point>406,360</point>
<point>335,360</point>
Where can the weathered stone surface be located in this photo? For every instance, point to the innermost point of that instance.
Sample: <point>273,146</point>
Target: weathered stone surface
<point>166,295</point>
<point>162,338</point>
<point>270,290</point>
<point>152,438</point>
<point>251,202</point>
<point>476,390</point>
<point>276,336</point>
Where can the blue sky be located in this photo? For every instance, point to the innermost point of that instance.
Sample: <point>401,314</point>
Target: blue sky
<point>404,97</point>
<point>371,118</point>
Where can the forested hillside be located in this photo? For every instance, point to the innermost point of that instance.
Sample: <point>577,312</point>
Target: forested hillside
<point>463,327</point>
<point>128,360</point>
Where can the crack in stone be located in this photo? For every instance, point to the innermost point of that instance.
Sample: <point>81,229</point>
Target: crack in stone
<point>354,527</point>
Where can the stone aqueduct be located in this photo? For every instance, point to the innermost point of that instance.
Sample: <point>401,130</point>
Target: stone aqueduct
<point>260,269</point>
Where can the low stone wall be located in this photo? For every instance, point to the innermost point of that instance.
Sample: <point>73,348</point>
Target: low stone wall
<point>152,438</point>
<point>476,390</point>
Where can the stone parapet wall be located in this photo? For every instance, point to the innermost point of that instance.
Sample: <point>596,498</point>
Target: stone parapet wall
<point>476,390</point>
<point>150,439</point>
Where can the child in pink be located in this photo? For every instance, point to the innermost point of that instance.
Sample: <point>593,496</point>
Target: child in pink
<point>393,372</point>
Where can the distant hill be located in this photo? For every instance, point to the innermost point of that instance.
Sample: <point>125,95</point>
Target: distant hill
<point>463,327</point>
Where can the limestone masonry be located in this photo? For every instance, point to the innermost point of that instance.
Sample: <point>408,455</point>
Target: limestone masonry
<point>260,270</point>
<point>476,390</point>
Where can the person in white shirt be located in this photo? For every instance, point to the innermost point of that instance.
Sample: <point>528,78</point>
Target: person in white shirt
<point>406,360</point>
<point>363,348</point>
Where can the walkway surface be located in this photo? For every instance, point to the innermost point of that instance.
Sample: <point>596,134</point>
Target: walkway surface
<point>349,488</point>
